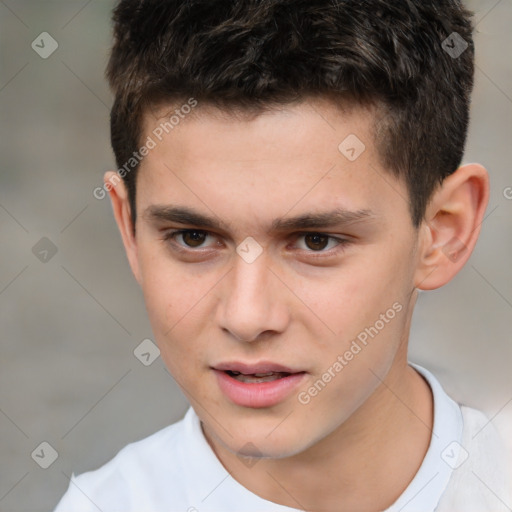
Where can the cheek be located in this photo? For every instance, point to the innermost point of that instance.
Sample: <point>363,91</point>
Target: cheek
<point>175,325</point>
<point>168,292</point>
<point>168,297</point>
<point>179,303</point>
<point>352,299</point>
<point>365,308</point>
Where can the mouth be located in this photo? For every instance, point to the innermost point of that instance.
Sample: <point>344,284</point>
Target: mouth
<point>259,368</point>
<point>257,377</point>
<point>257,385</point>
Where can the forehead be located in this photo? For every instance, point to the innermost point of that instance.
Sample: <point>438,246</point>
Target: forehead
<point>314,132</point>
<point>302,156</point>
<point>314,114</point>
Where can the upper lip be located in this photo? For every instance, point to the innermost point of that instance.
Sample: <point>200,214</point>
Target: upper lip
<point>253,368</point>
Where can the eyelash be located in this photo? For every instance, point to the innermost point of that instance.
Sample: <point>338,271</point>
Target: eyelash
<point>170,237</point>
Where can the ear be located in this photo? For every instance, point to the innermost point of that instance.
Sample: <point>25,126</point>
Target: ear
<point>451,226</point>
<point>122,213</point>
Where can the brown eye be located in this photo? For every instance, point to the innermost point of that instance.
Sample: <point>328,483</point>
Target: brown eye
<point>316,241</point>
<point>194,238</point>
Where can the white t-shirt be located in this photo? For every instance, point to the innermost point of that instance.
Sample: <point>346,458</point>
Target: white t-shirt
<point>175,470</point>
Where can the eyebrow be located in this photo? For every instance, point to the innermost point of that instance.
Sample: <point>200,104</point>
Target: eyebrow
<point>311,220</point>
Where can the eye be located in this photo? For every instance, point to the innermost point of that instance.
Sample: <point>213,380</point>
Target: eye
<point>191,238</point>
<point>319,242</point>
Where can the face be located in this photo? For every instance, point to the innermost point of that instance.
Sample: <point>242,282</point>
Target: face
<point>264,248</point>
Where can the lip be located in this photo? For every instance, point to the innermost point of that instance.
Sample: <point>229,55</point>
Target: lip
<point>257,395</point>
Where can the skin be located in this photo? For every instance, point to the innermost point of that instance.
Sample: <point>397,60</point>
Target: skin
<point>360,441</point>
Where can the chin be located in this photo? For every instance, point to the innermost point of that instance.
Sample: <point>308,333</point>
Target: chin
<point>258,444</point>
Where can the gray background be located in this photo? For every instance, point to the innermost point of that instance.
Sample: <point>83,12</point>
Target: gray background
<point>69,326</point>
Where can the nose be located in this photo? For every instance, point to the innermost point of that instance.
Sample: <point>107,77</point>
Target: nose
<point>254,303</point>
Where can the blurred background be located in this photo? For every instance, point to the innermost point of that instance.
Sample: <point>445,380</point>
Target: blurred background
<point>71,315</point>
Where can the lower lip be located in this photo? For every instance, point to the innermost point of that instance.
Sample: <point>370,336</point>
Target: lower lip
<point>258,394</point>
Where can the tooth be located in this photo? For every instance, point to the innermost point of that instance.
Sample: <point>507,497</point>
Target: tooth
<point>269,377</point>
<point>253,379</point>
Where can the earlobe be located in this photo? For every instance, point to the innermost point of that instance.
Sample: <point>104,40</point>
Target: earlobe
<point>452,223</point>
<point>122,214</point>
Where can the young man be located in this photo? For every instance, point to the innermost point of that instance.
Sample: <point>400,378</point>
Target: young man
<point>288,179</point>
